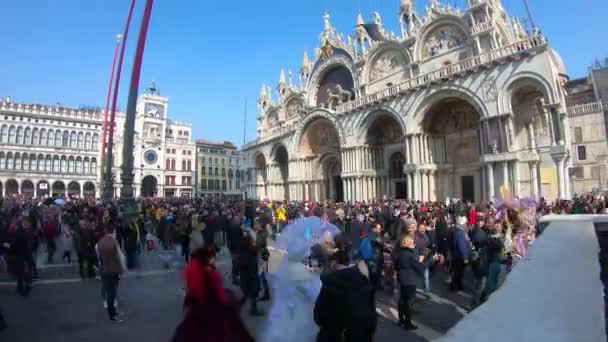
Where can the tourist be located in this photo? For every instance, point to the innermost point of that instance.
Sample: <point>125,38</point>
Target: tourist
<point>423,247</point>
<point>211,313</point>
<point>20,255</point>
<point>249,273</point>
<point>460,253</point>
<point>410,265</point>
<point>478,258</point>
<point>263,255</point>
<point>111,267</point>
<point>345,308</point>
<point>234,236</point>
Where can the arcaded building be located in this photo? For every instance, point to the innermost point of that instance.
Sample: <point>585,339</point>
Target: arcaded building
<point>462,103</point>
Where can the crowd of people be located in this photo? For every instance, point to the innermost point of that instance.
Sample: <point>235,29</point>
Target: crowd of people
<point>399,243</point>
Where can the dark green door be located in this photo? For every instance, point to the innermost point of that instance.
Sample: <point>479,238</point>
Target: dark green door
<point>468,188</point>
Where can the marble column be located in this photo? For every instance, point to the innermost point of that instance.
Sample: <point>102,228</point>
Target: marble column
<point>424,182</point>
<point>407,150</point>
<point>567,185</point>
<point>516,178</point>
<point>490,175</point>
<point>531,136</point>
<point>488,135</point>
<point>414,149</point>
<point>505,175</point>
<point>410,194</point>
<point>416,185</point>
<point>510,130</point>
<point>534,180</point>
<point>560,178</point>
<point>432,190</point>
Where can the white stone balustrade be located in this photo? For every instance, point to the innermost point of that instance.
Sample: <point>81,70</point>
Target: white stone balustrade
<point>445,72</point>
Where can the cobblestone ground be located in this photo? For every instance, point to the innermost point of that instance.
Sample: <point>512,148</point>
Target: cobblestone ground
<point>63,308</point>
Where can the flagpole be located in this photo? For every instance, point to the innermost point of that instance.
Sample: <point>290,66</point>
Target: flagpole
<point>104,135</point>
<point>529,14</point>
<point>245,123</point>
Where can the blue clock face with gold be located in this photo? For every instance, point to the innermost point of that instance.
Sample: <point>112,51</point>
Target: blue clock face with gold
<point>151,157</point>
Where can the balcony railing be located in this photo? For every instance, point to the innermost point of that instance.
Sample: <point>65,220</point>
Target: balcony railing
<point>445,72</point>
<point>593,107</point>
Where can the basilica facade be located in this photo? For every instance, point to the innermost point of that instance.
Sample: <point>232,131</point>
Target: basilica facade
<point>461,103</point>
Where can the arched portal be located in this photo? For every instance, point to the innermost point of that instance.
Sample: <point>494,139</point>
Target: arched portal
<point>88,190</point>
<point>451,142</point>
<point>74,189</point>
<point>280,173</point>
<point>261,176</point>
<point>149,186</point>
<point>42,189</point>
<point>383,137</point>
<point>58,189</point>
<point>12,187</point>
<point>335,88</point>
<point>319,147</point>
<point>27,189</point>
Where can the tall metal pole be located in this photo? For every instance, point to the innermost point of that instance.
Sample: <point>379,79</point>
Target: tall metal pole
<point>108,190</point>
<point>104,134</point>
<point>128,207</point>
<point>245,123</point>
<point>529,14</point>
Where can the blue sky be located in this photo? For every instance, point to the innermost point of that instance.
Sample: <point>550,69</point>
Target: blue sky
<point>209,56</point>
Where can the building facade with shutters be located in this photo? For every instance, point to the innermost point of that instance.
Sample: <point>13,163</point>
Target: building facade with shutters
<point>219,170</point>
<point>164,152</point>
<point>48,149</point>
<point>462,103</point>
<point>587,99</point>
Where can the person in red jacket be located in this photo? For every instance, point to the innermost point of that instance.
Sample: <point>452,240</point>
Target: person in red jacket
<point>50,230</point>
<point>211,312</point>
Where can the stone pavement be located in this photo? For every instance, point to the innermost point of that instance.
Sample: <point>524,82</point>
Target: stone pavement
<point>63,308</point>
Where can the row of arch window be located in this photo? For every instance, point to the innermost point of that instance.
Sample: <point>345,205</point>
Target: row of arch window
<point>53,138</point>
<point>223,170</point>
<point>41,163</point>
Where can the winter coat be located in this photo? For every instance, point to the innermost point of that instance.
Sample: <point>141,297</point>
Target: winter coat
<point>249,270</point>
<point>234,235</point>
<point>460,244</point>
<point>212,314</point>
<point>409,267</point>
<point>345,310</point>
<point>65,242</point>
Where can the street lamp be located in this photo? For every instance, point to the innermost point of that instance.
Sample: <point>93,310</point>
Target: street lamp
<point>128,207</point>
<point>104,134</point>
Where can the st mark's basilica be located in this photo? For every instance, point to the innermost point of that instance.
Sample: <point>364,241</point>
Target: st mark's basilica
<point>462,103</point>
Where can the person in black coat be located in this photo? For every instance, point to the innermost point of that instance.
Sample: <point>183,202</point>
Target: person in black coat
<point>410,266</point>
<point>21,259</point>
<point>233,240</point>
<point>345,310</point>
<point>264,255</point>
<point>249,273</point>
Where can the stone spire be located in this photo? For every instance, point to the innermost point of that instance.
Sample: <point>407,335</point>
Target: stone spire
<point>305,62</point>
<point>305,69</point>
<point>282,77</point>
<point>263,92</point>
<point>360,21</point>
<point>407,16</point>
